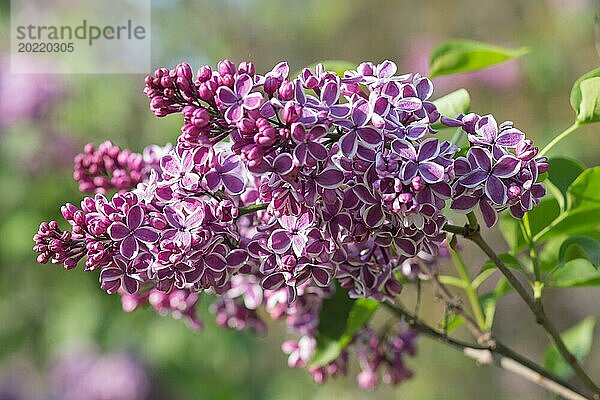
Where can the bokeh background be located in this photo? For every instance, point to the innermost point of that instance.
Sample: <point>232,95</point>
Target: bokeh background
<point>63,338</point>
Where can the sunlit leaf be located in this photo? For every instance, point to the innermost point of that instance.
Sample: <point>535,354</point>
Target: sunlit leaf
<point>456,56</point>
<point>452,104</point>
<point>576,92</point>
<point>589,109</point>
<point>578,340</point>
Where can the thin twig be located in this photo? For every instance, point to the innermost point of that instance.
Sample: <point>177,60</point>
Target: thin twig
<point>536,307</point>
<point>496,354</point>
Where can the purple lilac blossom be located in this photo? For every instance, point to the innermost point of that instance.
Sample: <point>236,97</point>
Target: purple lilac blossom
<point>281,190</point>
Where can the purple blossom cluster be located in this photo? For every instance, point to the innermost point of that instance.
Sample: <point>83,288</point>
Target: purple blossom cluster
<point>282,189</point>
<point>500,170</point>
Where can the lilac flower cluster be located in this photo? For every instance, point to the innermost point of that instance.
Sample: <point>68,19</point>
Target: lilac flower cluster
<point>500,169</point>
<point>281,189</point>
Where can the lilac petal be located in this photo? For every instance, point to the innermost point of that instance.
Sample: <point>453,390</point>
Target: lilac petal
<point>405,246</point>
<point>431,172</point>
<point>170,164</point>
<point>428,149</point>
<point>135,217</point>
<point>195,219</point>
<point>299,92</point>
<point>506,167</point>
<point>495,190</point>
<point>349,144</point>
<point>330,178</point>
<point>317,150</point>
<point>131,285</point>
<point>339,110</point>
<point>474,178</point>
<point>360,112</point>
<point>330,93</point>
<point>373,216</point>
<point>482,158</point>
<point>212,180</point>
<point>229,164</point>
<point>443,189</point>
<point>288,222</point>
<point>234,113</point>
<point>404,149</point>
<point>233,184</point>
<point>118,231</point>
<point>386,69</point>
<point>283,164</point>
<point>489,214</point>
<point>370,136</point>
<point>236,258</point>
<point>464,203</point>
<point>461,166</point>
<point>510,137</point>
<point>129,247</point>
<point>303,222</point>
<point>110,274</point>
<point>451,122</point>
<point>424,88</point>
<point>301,153</point>
<point>321,276</point>
<point>391,89</point>
<point>243,85</point>
<point>147,235</point>
<point>174,218</point>
<point>279,241</point>
<point>409,104</point>
<point>253,101</point>
<point>226,95</point>
<point>409,170</point>
<point>364,194</point>
<point>298,244</point>
<point>215,262</point>
<point>273,281</point>
<point>488,128</point>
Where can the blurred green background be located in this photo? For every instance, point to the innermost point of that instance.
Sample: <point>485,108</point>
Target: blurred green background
<point>46,312</point>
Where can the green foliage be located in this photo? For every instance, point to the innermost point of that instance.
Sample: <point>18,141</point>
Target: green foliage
<point>456,56</point>
<point>341,317</point>
<point>489,301</point>
<point>576,273</point>
<point>578,340</point>
<point>562,173</point>
<point>577,247</point>
<point>584,97</point>
<point>452,104</point>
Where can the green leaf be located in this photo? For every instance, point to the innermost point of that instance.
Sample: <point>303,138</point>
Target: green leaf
<point>457,56</point>
<point>589,109</point>
<point>337,66</point>
<point>540,218</point>
<point>576,247</point>
<point>578,340</point>
<point>451,322</point>
<point>584,192</point>
<point>452,104</point>
<point>576,273</point>
<point>576,92</point>
<point>341,317</point>
<point>561,174</point>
